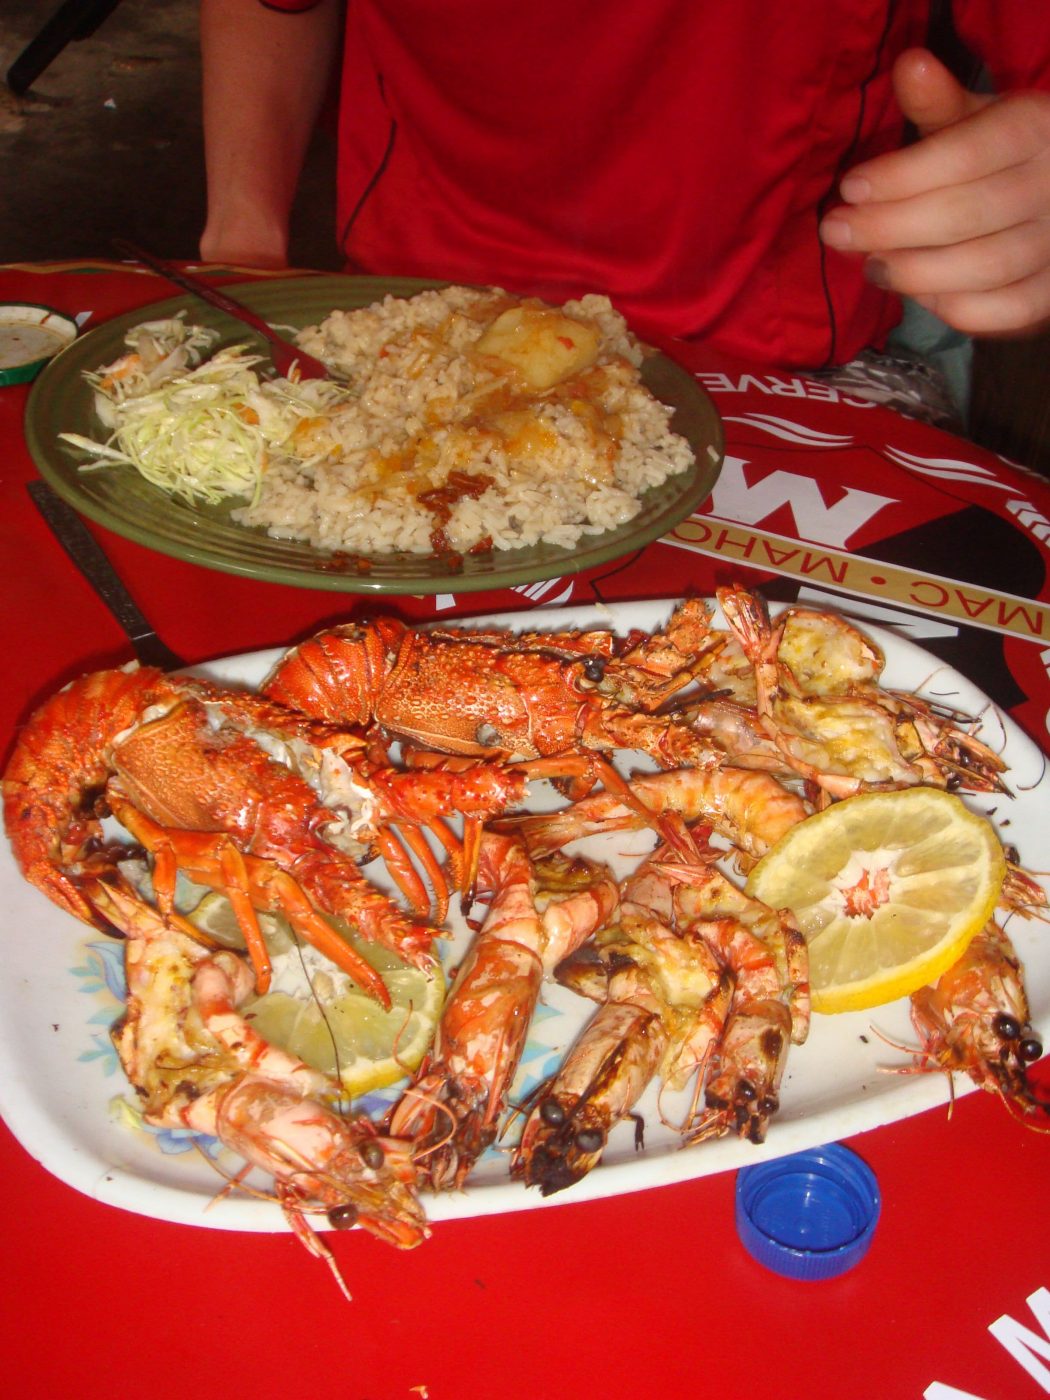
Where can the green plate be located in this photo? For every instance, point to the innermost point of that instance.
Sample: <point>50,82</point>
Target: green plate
<point>121,500</point>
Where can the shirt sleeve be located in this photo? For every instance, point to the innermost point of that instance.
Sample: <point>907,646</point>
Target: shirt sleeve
<point>1011,37</point>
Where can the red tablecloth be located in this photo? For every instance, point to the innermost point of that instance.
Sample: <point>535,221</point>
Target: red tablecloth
<point>649,1294</point>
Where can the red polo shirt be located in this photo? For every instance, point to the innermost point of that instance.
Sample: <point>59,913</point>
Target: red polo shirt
<point>676,154</point>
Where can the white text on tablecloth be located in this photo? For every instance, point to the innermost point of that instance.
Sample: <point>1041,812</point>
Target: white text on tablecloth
<point>1024,1345</point>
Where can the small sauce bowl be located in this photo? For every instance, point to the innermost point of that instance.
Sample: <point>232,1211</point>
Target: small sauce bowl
<point>29,336</point>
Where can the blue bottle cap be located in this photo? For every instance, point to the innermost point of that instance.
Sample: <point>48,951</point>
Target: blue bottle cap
<point>810,1215</point>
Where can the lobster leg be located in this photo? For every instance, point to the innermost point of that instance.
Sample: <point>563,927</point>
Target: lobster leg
<point>402,871</point>
<point>472,832</point>
<point>416,841</point>
<point>316,929</point>
<point>235,882</point>
<point>249,882</point>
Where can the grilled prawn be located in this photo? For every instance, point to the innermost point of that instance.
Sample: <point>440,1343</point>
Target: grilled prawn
<point>975,1019</point>
<point>752,810</point>
<point>454,1108</point>
<point>196,1063</point>
<point>819,700</point>
<point>663,999</point>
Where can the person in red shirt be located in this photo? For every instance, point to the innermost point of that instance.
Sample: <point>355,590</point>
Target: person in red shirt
<point>730,172</point>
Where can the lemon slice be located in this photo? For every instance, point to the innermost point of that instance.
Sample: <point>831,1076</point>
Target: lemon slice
<point>888,887</point>
<point>315,1011</point>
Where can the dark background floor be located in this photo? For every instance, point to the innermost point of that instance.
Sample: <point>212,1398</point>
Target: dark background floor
<point>107,142</point>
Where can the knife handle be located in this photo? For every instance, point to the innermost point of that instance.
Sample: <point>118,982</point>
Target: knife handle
<point>87,554</point>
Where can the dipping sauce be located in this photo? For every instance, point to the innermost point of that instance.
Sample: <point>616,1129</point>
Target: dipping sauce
<point>29,336</point>
<point>19,345</point>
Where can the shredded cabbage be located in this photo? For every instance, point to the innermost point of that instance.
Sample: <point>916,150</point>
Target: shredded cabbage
<point>199,429</point>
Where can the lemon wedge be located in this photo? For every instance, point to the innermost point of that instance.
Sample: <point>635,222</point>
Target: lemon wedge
<point>888,887</point>
<point>315,1011</point>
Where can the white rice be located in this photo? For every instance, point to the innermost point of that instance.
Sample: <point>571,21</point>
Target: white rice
<point>423,407</point>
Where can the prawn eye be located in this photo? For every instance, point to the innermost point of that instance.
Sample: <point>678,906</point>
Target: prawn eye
<point>342,1217</point>
<point>746,1090</point>
<point>372,1155</point>
<point>590,1139</point>
<point>594,668</point>
<point>1006,1027</point>
<point>1030,1049</point>
<point>552,1113</point>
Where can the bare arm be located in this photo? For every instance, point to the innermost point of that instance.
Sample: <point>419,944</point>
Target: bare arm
<point>265,75</point>
<point>961,220</point>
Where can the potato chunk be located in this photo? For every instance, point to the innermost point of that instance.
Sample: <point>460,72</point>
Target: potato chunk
<point>543,345</point>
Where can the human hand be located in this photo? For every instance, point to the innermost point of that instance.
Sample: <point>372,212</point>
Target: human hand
<point>959,221</point>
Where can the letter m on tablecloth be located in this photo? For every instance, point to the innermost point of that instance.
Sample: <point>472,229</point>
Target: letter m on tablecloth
<point>1023,1345</point>
<point>733,499</point>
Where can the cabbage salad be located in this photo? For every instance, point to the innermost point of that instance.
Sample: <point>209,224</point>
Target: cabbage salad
<point>200,426</point>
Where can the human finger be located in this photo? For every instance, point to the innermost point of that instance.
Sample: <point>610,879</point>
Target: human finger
<point>976,265</point>
<point>1021,308</point>
<point>1008,131</point>
<point>937,218</point>
<point>928,94</point>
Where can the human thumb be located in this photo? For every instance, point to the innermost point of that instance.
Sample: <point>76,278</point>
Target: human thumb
<point>928,94</point>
